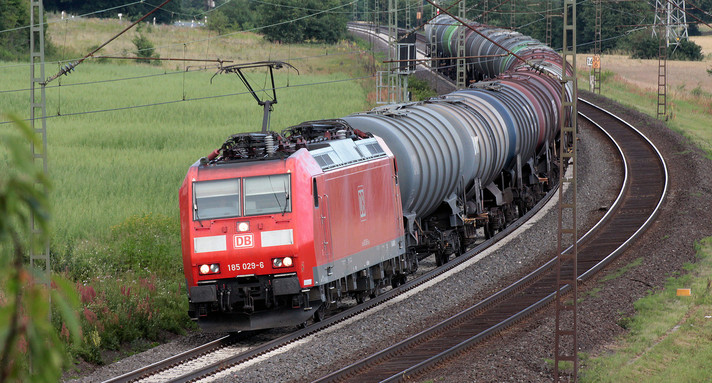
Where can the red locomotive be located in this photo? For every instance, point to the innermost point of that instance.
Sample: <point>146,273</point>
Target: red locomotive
<point>275,228</point>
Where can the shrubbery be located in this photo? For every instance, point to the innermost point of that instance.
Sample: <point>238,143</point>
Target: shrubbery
<point>131,285</point>
<point>644,46</point>
<point>145,49</point>
<point>419,89</point>
<point>26,334</point>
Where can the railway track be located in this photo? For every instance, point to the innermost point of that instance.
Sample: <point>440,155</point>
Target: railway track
<point>635,208</point>
<point>223,353</point>
<point>630,214</point>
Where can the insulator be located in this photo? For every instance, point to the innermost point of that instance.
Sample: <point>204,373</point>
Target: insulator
<point>269,145</point>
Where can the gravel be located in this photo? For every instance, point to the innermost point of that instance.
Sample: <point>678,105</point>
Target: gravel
<point>358,337</point>
<point>599,181</point>
<point>518,354</point>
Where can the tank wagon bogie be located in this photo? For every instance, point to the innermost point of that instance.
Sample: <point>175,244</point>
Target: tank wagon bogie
<point>277,228</point>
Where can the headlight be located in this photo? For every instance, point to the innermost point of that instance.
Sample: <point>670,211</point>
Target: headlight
<point>243,226</point>
<point>282,262</point>
<point>213,268</point>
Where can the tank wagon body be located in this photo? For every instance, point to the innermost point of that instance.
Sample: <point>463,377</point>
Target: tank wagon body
<point>276,228</point>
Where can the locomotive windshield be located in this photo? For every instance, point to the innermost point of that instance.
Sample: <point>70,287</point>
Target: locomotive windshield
<point>267,195</point>
<point>216,199</point>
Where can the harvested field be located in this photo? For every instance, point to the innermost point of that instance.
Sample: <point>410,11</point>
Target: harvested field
<point>682,76</point>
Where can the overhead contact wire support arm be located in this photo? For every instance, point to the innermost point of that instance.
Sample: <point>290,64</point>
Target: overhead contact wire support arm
<point>69,67</point>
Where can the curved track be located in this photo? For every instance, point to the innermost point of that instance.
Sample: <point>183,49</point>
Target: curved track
<point>643,192</point>
<point>216,356</point>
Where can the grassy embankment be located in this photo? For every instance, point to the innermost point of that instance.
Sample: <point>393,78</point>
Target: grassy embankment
<point>669,338</point>
<point>116,174</point>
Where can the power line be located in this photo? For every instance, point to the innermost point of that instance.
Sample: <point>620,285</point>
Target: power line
<point>198,98</point>
<point>69,67</point>
<point>79,16</point>
<point>180,72</point>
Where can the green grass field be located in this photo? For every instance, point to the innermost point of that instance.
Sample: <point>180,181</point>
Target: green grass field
<point>107,166</point>
<point>121,137</point>
<point>669,339</point>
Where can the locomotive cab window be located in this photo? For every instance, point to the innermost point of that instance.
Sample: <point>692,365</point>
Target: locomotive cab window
<point>267,195</point>
<point>216,199</point>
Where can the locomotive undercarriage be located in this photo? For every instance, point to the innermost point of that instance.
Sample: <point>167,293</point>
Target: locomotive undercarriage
<point>268,301</point>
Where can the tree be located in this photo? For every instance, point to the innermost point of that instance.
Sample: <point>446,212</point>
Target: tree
<point>165,15</point>
<point>15,40</point>
<point>295,21</point>
<point>218,22</point>
<point>26,333</point>
<point>144,48</point>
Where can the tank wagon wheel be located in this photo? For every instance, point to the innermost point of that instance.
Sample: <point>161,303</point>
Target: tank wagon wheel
<point>441,258</point>
<point>361,297</point>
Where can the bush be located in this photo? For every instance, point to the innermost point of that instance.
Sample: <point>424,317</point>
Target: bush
<point>145,48</point>
<point>419,89</point>
<point>147,244</point>
<point>687,50</point>
<point>131,285</point>
<point>151,242</point>
<point>26,333</point>
<point>646,47</point>
<point>118,311</point>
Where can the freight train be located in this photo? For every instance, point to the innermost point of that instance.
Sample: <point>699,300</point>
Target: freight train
<point>277,228</point>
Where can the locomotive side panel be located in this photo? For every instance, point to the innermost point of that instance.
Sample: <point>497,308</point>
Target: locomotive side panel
<point>359,203</point>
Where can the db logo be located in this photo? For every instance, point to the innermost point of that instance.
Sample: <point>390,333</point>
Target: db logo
<point>243,241</point>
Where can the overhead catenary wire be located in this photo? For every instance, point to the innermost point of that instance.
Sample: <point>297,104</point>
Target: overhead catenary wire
<point>188,70</point>
<point>71,66</point>
<point>169,73</point>
<point>198,98</point>
<point>79,16</point>
<point>624,33</point>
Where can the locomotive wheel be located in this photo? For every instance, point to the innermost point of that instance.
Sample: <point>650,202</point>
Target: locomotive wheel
<point>398,280</point>
<point>488,231</point>
<point>320,313</point>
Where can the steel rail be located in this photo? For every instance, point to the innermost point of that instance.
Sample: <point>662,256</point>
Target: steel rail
<point>191,354</point>
<point>362,308</point>
<point>423,351</point>
<point>220,365</point>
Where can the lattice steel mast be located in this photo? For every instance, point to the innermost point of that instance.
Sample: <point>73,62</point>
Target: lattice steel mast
<point>597,49</point>
<point>672,15</point>
<point>662,66</point>
<point>566,342</point>
<point>461,72</point>
<point>39,240</point>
